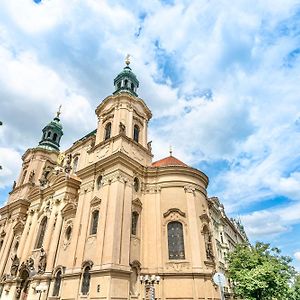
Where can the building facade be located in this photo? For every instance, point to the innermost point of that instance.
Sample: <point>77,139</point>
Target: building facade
<point>90,222</point>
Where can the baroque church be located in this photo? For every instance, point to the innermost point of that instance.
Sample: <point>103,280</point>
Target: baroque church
<point>101,220</point>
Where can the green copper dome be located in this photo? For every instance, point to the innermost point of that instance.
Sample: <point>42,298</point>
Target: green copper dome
<point>126,81</point>
<point>52,134</point>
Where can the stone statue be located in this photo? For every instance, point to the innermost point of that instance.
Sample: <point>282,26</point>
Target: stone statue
<point>42,261</point>
<point>149,146</point>
<point>209,252</point>
<point>44,178</point>
<point>122,128</point>
<point>30,263</point>
<point>31,177</point>
<point>15,265</point>
<point>68,167</point>
<point>60,159</point>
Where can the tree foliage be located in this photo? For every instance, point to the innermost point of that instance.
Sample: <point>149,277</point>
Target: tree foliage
<point>260,272</point>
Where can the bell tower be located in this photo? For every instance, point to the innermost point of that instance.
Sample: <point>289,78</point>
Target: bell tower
<point>123,119</point>
<point>126,80</point>
<point>52,134</point>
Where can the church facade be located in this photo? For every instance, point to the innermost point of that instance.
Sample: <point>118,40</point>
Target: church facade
<point>102,221</point>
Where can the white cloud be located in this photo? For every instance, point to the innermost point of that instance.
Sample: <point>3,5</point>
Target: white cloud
<point>297,255</point>
<point>10,161</point>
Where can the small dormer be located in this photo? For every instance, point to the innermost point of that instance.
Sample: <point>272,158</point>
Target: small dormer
<point>126,81</point>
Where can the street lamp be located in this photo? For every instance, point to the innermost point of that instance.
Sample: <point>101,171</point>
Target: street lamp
<point>40,289</point>
<point>149,281</point>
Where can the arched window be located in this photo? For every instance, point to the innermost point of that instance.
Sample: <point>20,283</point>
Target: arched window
<point>175,240</point>
<point>126,83</point>
<point>107,131</point>
<point>132,86</point>
<point>54,137</point>
<point>119,85</point>
<point>41,235</point>
<point>57,283</point>
<point>86,278</point>
<point>49,133</point>
<point>136,133</point>
<point>94,222</point>
<point>134,222</point>
<point>75,164</point>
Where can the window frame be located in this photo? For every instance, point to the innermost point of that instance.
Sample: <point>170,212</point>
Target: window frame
<point>169,251</point>
<point>136,133</point>
<point>94,225</point>
<point>56,292</point>
<point>107,131</point>
<point>85,291</point>
<point>41,233</point>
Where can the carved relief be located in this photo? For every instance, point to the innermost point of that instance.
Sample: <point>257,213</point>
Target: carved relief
<point>152,189</point>
<point>102,152</point>
<point>178,266</point>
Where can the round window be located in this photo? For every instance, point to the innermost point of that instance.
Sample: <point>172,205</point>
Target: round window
<point>68,233</point>
<point>136,184</point>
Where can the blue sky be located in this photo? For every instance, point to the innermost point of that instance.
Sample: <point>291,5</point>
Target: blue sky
<point>222,82</point>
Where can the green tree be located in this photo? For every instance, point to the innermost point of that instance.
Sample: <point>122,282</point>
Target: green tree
<point>260,272</point>
<point>295,288</point>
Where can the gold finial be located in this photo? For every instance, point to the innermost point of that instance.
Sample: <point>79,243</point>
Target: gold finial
<point>58,112</point>
<point>170,150</point>
<point>127,59</point>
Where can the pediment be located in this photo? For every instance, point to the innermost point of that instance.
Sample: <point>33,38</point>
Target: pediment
<point>174,210</point>
<point>95,201</point>
<point>69,210</point>
<point>18,228</point>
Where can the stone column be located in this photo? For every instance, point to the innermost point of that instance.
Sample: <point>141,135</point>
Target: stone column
<point>126,224</point>
<point>31,238</point>
<point>49,231</point>
<point>193,227</point>
<point>6,248</point>
<point>23,239</point>
<point>129,131</point>
<point>52,251</point>
<point>144,141</point>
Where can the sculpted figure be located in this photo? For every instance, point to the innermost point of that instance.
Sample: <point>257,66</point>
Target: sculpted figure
<point>68,167</point>
<point>31,176</point>
<point>44,178</point>
<point>15,265</point>
<point>42,261</point>
<point>122,128</point>
<point>149,146</point>
<point>30,263</point>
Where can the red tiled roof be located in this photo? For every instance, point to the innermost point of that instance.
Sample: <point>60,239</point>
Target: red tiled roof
<point>168,161</point>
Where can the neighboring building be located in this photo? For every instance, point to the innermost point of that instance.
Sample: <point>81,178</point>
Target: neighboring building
<point>88,222</point>
<point>227,234</point>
